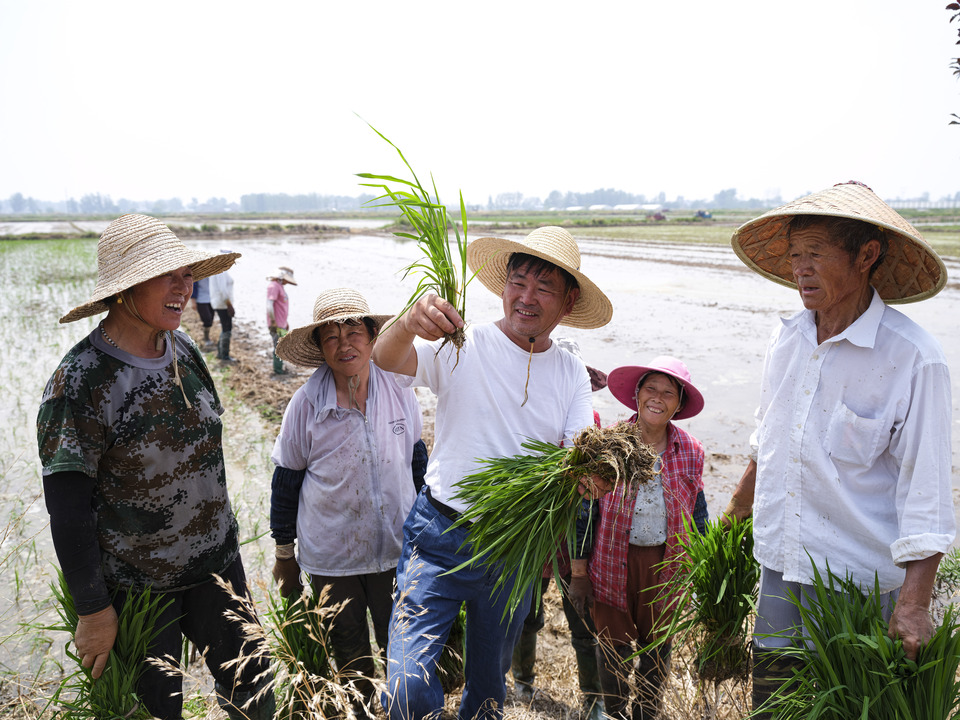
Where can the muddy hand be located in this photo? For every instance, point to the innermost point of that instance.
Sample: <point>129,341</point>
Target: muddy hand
<point>594,487</point>
<point>94,638</point>
<point>431,318</point>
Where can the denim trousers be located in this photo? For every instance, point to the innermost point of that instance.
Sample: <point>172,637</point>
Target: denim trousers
<point>428,601</point>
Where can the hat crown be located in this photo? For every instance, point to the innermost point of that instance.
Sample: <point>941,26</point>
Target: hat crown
<point>339,304</point>
<point>555,242</point>
<point>671,366</point>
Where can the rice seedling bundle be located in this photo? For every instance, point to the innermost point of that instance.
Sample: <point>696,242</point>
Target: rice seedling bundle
<point>114,693</point>
<point>440,271</point>
<point>851,668</point>
<point>716,593</point>
<point>307,686</point>
<point>520,508</point>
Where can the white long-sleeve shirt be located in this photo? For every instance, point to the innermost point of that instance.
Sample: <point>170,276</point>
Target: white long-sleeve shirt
<point>853,449</point>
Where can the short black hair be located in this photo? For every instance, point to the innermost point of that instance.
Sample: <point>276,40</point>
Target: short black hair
<point>369,323</point>
<point>537,266</point>
<point>849,234</point>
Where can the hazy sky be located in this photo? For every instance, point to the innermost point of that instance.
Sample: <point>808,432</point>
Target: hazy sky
<point>206,98</point>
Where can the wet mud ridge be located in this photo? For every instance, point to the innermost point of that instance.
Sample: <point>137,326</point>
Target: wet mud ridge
<point>250,378</point>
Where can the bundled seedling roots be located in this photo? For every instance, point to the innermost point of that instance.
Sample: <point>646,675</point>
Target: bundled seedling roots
<point>521,508</point>
<point>616,454</point>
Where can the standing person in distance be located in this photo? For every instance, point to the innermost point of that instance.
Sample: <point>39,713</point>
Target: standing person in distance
<point>278,307</point>
<point>221,300</point>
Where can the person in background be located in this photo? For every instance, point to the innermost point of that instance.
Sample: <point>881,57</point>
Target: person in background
<point>129,437</point>
<point>278,306</point>
<point>201,303</point>
<point>343,484</point>
<point>851,457</point>
<point>638,543</point>
<point>582,633</point>
<point>508,382</point>
<point>221,300</point>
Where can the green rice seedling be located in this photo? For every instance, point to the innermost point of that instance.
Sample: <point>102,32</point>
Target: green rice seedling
<point>716,591</point>
<point>114,693</point>
<point>520,508</point>
<point>851,668</point>
<point>307,684</point>
<point>439,271</point>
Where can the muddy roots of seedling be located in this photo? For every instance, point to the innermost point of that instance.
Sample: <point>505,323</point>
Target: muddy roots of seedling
<point>616,454</point>
<point>457,338</point>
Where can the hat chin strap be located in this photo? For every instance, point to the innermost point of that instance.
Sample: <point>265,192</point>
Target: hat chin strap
<point>533,340</point>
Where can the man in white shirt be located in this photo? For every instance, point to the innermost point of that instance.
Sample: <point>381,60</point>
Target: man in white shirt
<point>509,382</point>
<point>852,461</point>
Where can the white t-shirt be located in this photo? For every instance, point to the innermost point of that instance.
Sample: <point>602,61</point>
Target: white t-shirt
<point>221,290</point>
<point>853,465</point>
<point>358,486</point>
<point>479,413</point>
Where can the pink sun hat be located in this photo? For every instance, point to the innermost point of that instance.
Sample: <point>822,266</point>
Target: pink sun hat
<point>623,382</point>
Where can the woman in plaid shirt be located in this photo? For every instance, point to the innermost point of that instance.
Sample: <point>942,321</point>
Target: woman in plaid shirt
<point>639,531</point>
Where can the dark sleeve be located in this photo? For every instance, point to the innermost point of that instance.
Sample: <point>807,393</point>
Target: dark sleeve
<point>284,501</point>
<point>419,464</point>
<point>700,513</point>
<point>587,521</point>
<point>73,526</point>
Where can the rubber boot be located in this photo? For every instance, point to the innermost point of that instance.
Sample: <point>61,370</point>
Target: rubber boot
<point>524,660</point>
<point>589,680</point>
<point>206,339</point>
<point>651,672</point>
<point>614,671</point>
<point>772,668</point>
<point>223,347</point>
<point>278,368</point>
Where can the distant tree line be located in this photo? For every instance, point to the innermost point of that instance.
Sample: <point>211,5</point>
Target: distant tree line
<point>266,203</point>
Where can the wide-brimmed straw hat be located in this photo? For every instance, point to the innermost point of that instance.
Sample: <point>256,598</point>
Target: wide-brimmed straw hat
<point>488,258</point>
<point>623,382</point>
<point>911,270</point>
<point>137,248</point>
<point>337,305</point>
<point>282,273</point>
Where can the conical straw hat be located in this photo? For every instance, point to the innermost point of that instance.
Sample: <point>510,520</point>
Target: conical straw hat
<point>137,248</point>
<point>911,270</point>
<point>336,305</point>
<point>488,258</point>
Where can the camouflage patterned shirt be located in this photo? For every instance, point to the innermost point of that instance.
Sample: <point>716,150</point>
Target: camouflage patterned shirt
<point>163,514</point>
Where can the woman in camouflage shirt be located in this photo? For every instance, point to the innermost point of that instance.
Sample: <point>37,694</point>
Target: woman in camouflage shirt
<point>129,434</point>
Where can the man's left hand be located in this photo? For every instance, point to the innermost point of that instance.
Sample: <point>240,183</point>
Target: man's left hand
<point>594,487</point>
<point>913,625</point>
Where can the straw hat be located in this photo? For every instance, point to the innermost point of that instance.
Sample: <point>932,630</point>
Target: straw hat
<point>488,258</point>
<point>623,382</point>
<point>137,248</point>
<point>911,270</point>
<point>282,273</point>
<point>336,305</point>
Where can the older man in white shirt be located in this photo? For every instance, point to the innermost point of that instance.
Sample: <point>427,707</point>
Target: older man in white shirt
<point>852,449</point>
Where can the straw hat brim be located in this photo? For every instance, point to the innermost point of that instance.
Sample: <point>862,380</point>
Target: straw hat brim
<point>622,383</point>
<point>298,347</point>
<point>202,265</point>
<point>488,258</point>
<point>910,272</point>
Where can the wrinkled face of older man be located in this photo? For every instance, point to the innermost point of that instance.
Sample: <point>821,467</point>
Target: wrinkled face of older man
<point>828,277</point>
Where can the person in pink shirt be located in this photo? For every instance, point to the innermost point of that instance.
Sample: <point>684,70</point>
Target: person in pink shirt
<point>278,306</point>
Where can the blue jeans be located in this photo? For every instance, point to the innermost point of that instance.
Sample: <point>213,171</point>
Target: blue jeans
<point>427,604</point>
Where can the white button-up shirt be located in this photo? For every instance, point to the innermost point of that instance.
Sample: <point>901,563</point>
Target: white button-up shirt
<point>853,449</point>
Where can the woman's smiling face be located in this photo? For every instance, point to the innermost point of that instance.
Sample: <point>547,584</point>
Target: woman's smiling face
<point>658,399</point>
<point>346,347</point>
